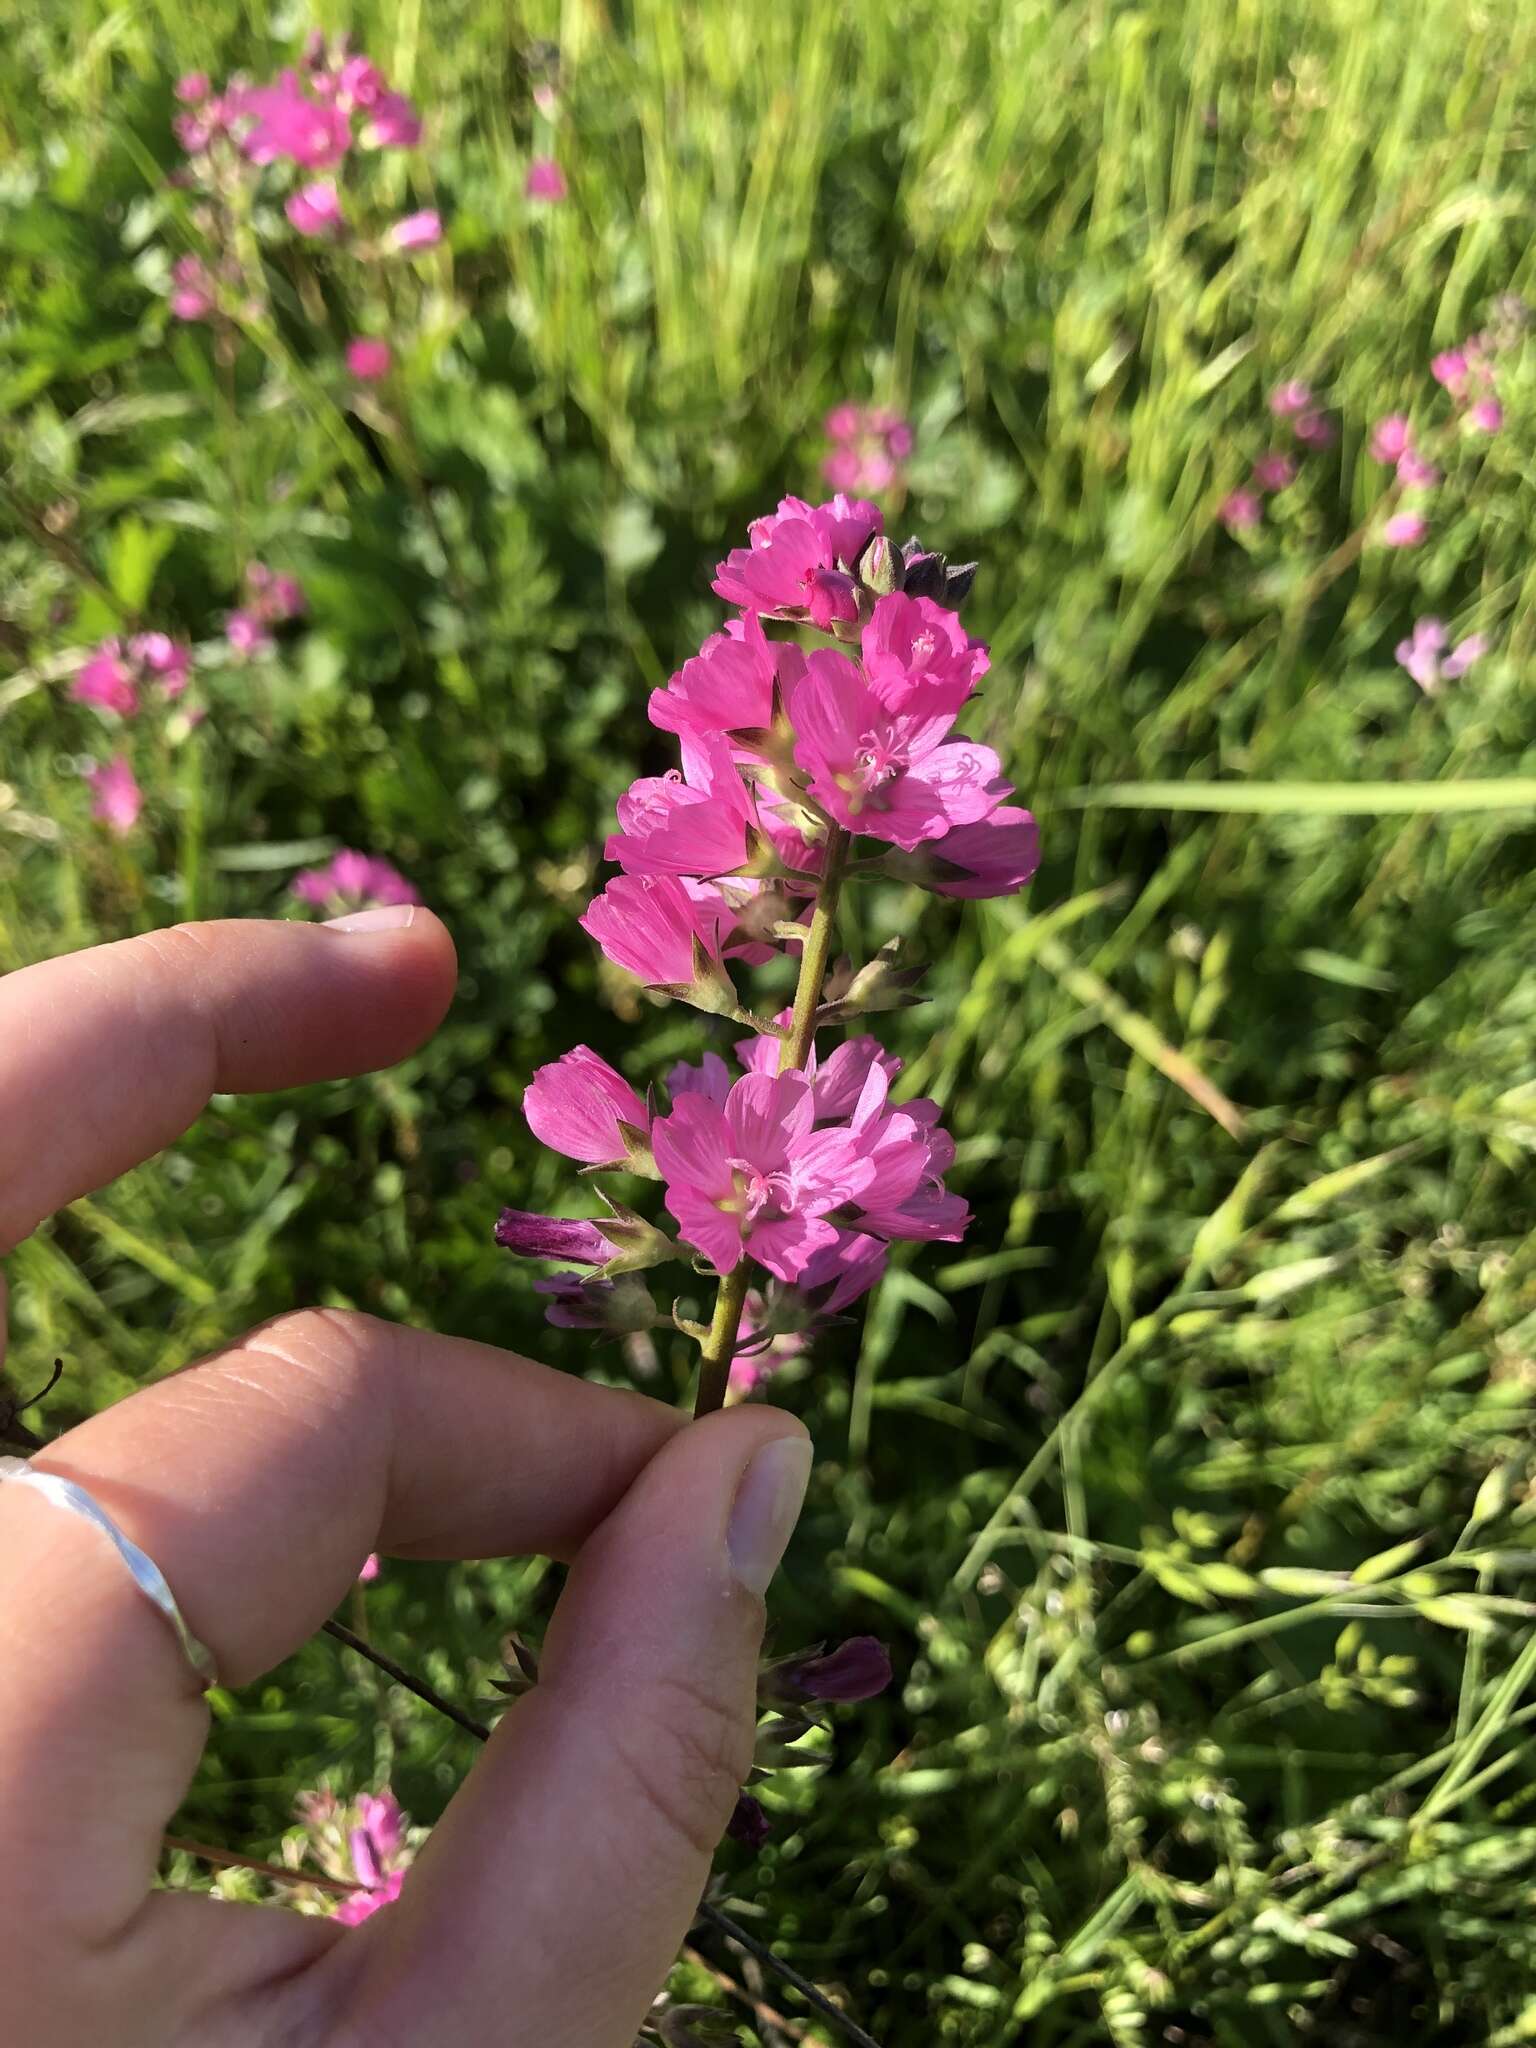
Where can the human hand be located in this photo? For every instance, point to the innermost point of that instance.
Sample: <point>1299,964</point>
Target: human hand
<point>556,1889</point>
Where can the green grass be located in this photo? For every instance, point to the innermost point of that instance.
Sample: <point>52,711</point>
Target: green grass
<point>1194,1492</point>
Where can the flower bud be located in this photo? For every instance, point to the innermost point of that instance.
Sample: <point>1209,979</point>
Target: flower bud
<point>957,583</point>
<point>697,2026</point>
<point>749,1824</point>
<point>614,1307</point>
<point>635,1244</point>
<point>855,1670</point>
<point>922,570</point>
<point>531,1236</point>
<point>879,985</point>
<point>880,567</point>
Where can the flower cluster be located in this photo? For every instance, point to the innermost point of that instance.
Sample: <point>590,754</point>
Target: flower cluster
<point>352,881</point>
<point>867,447</point>
<point>1295,408</point>
<point>315,124</point>
<point>121,679</point>
<point>269,600</point>
<point>366,1844</point>
<point>1423,654</point>
<point>802,771</point>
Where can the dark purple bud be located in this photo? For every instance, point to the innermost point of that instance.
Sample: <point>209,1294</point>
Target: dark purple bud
<point>855,1670</point>
<point>616,1307</point>
<point>923,573</point>
<point>552,1237</point>
<point>749,1824</point>
<point>957,583</point>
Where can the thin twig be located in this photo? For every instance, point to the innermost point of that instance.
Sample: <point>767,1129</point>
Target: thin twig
<point>401,1676</point>
<point>228,1860</point>
<point>711,1915</point>
<point>733,1931</point>
<point>756,2006</point>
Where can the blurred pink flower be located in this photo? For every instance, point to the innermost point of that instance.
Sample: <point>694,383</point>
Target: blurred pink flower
<point>1414,470</point>
<point>1487,416</point>
<point>315,209</point>
<point>368,360</point>
<point>869,445</point>
<point>119,799</point>
<point>192,298</point>
<point>370,1570</point>
<point>1240,511</point>
<point>1405,529</point>
<point>192,87</point>
<point>1390,438</point>
<point>1286,400</point>
<point>1315,429</point>
<point>287,122</point>
<point>1274,471</point>
<point>107,681</point>
<point>1421,654</point>
<point>351,880</point>
<point>545,180</point>
<point>422,230</point>
<point>359,83</point>
<point>168,661</point>
<point>1450,368</point>
<point>393,122</point>
<point>246,633</point>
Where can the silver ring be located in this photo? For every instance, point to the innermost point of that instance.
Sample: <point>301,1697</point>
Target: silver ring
<point>147,1575</point>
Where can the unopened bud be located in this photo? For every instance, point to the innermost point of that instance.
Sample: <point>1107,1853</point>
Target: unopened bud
<point>749,1824</point>
<point>614,1307</point>
<point>711,989</point>
<point>880,567</point>
<point>636,1243</point>
<point>530,1236</point>
<point>957,583</point>
<point>834,598</point>
<point>879,985</point>
<point>922,570</point>
<point>855,1670</point>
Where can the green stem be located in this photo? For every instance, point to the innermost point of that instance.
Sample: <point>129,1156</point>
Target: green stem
<point>720,1344</point>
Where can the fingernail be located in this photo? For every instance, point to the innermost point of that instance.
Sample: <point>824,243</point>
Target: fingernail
<point>384,917</point>
<point>766,1509</point>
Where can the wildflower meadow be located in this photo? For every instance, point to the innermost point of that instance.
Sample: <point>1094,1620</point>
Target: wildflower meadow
<point>941,600</point>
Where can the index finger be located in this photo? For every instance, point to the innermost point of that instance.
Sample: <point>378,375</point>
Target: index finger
<point>106,1056</point>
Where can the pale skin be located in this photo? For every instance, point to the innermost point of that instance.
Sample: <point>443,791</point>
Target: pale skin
<point>560,1882</point>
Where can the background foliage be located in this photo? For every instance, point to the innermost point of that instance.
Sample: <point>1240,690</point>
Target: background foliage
<point>1193,1493</point>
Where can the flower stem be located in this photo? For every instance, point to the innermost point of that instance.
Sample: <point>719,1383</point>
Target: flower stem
<point>815,958</point>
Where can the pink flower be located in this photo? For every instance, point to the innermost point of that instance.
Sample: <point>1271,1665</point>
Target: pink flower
<point>360,83</point>
<point>1390,438</point>
<point>393,123</point>
<point>1415,471</point>
<point>696,824</point>
<point>192,87</point>
<point>1405,530</point>
<point>246,634</point>
<point>286,122</point>
<point>1315,429</point>
<point>1274,471</point>
<point>285,598</point>
<point>168,661</point>
<point>755,1176</point>
<point>576,1104</point>
<point>546,99</point>
<point>416,231</point>
<point>545,180</point>
<point>649,925</point>
<point>1450,368</point>
<point>1463,654</point>
<point>119,799</point>
<point>1000,854</point>
<point>107,681</point>
<point>368,360</point>
<point>789,546</point>
<point>1286,400</point>
<point>370,1570</point>
<point>844,422</point>
<point>193,297</point>
<point>843,469</point>
<point>1487,416</point>
<point>315,209</point>
<point>1240,511</point>
<point>910,640</point>
<point>1420,653</point>
<point>893,774</point>
<point>361,1906</point>
<point>353,879</point>
<point>728,686</point>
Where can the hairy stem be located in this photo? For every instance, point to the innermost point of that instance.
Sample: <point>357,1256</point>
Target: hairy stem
<point>815,958</point>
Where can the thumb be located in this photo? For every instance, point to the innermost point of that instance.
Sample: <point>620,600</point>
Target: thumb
<point>558,1888</point>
